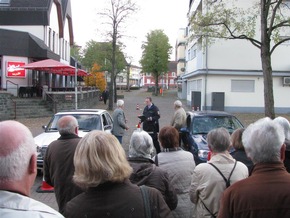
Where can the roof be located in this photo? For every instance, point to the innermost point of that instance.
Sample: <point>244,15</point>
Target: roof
<point>24,45</point>
<point>25,12</point>
<point>83,111</point>
<point>33,12</point>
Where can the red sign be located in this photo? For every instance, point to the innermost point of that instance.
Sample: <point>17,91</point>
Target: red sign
<point>14,69</point>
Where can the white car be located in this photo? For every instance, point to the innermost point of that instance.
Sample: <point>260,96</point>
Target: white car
<point>88,120</point>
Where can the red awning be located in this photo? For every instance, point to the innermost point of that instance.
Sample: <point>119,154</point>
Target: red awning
<point>54,66</point>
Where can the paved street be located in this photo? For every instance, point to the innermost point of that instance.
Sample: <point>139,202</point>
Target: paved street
<point>132,98</point>
<point>165,104</point>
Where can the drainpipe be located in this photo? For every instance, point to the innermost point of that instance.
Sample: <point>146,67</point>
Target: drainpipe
<point>206,70</point>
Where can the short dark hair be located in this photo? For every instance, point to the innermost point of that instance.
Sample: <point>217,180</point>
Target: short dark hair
<point>169,137</point>
<point>150,99</point>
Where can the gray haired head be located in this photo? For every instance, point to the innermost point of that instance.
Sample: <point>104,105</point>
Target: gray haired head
<point>120,103</point>
<point>141,145</point>
<point>178,103</point>
<point>219,140</point>
<point>285,124</point>
<point>263,141</point>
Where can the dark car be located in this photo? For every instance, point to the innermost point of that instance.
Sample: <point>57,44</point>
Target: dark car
<point>198,124</point>
<point>88,120</point>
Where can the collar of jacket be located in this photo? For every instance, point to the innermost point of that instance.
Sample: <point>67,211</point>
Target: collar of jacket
<point>171,149</point>
<point>140,159</point>
<point>262,168</point>
<point>222,158</point>
<point>108,185</point>
<point>68,136</point>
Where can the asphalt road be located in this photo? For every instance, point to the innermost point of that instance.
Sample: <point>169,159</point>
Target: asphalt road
<point>131,99</point>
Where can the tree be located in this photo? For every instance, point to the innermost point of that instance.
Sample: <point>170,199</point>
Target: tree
<point>96,78</point>
<point>100,53</point>
<point>118,12</point>
<point>220,19</point>
<point>155,55</point>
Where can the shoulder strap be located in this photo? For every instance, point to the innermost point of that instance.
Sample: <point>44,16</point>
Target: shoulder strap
<point>227,181</point>
<point>156,160</point>
<point>212,215</point>
<point>145,196</point>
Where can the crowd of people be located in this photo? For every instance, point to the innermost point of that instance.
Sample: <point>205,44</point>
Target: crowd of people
<point>93,177</point>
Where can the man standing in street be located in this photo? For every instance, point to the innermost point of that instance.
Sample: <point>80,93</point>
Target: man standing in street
<point>179,118</point>
<point>17,173</point>
<point>265,193</point>
<point>58,161</point>
<point>119,121</point>
<point>105,95</point>
<point>150,121</point>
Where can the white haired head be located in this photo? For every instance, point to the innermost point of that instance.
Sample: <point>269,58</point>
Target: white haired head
<point>263,141</point>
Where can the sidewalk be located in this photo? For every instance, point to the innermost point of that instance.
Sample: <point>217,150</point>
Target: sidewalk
<point>131,99</point>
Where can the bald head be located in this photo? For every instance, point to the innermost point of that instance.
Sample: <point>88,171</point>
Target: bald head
<point>67,125</point>
<point>16,148</point>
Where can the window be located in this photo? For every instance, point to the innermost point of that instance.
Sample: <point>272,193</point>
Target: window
<point>243,86</point>
<point>4,3</point>
<point>194,85</point>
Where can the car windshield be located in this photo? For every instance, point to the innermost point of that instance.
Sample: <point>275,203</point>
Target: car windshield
<point>202,125</point>
<point>87,122</point>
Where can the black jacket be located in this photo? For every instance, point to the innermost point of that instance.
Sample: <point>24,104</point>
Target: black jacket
<point>59,168</point>
<point>145,172</point>
<point>152,115</point>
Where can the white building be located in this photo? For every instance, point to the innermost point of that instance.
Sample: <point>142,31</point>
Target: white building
<point>32,31</point>
<point>227,75</point>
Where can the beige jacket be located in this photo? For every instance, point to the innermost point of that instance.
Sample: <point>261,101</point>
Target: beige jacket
<point>208,185</point>
<point>179,119</point>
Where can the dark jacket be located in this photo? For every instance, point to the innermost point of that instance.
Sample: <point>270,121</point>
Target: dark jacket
<point>145,172</point>
<point>241,156</point>
<point>151,123</point>
<point>266,193</point>
<point>59,168</point>
<point>120,200</point>
<point>287,156</point>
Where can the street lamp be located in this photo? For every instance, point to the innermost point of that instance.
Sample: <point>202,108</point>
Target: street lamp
<point>76,76</point>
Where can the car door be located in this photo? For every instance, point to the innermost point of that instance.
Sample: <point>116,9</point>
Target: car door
<point>107,122</point>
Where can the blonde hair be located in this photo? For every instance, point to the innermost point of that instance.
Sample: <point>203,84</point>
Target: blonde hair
<point>99,158</point>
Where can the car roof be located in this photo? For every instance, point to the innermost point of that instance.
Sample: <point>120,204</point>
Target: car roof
<point>209,113</point>
<point>82,111</point>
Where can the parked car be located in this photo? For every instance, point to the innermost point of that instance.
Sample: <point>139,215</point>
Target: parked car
<point>198,124</point>
<point>88,120</point>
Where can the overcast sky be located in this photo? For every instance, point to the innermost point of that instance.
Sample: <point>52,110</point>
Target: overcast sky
<point>169,15</point>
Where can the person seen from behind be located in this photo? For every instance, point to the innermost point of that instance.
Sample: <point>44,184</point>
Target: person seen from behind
<point>265,193</point>
<point>145,172</point>
<point>18,172</point>
<point>58,161</point>
<point>286,126</point>
<point>102,170</point>
<point>210,179</point>
<point>179,165</point>
<point>239,153</point>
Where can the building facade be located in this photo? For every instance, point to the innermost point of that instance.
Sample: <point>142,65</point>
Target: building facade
<point>227,75</point>
<point>32,31</point>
